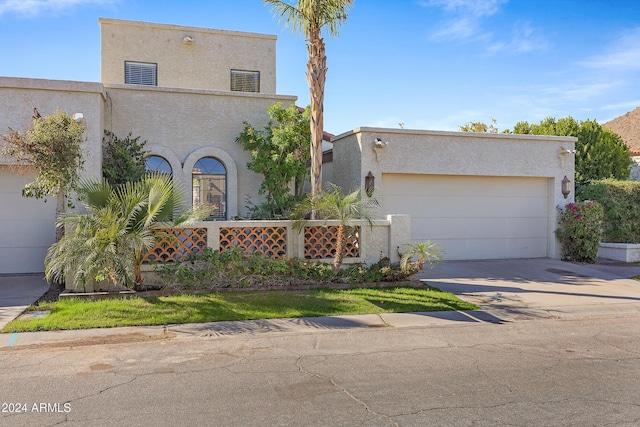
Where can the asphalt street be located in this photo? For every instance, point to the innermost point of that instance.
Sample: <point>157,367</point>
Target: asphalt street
<point>544,372</point>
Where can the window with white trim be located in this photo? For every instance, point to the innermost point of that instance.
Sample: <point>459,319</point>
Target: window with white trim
<point>245,81</point>
<point>140,73</point>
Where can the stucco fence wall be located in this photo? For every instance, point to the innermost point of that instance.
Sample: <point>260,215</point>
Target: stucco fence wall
<point>282,240</point>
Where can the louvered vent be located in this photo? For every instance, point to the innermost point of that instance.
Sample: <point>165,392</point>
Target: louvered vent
<point>245,81</point>
<point>140,73</point>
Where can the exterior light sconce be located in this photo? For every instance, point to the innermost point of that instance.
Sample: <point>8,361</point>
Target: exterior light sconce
<point>378,147</point>
<point>566,186</point>
<point>188,40</point>
<point>369,184</point>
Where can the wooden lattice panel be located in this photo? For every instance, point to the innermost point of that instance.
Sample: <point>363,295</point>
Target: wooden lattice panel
<point>269,241</point>
<point>320,242</point>
<point>175,244</point>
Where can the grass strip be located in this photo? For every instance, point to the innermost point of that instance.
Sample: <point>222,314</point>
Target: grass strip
<point>214,307</point>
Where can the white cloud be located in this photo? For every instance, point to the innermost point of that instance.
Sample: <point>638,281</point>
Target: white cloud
<point>478,8</point>
<point>623,55</point>
<point>524,39</point>
<point>629,104</point>
<point>36,7</point>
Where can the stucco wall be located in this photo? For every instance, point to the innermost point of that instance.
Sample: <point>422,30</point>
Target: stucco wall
<point>184,125</point>
<point>434,153</point>
<point>450,153</point>
<point>203,64</point>
<point>27,226</point>
<point>21,95</point>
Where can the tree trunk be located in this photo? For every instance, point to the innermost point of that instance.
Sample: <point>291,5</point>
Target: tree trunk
<point>340,248</point>
<point>316,77</point>
<point>60,209</point>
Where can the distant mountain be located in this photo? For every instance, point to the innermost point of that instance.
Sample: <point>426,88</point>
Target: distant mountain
<point>628,127</point>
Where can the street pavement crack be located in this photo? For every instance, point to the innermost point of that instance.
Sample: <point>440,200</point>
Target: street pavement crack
<point>345,391</point>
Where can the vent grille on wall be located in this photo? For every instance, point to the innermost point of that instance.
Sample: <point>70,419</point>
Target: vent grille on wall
<point>140,73</point>
<point>245,81</point>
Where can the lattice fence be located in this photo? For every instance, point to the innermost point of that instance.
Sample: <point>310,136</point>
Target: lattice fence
<point>175,244</point>
<point>269,241</point>
<point>320,242</point>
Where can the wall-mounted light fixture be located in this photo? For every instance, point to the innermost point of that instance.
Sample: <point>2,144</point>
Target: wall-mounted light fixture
<point>378,147</point>
<point>369,184</point>
<point>566,186</point>
<point>188,40</point>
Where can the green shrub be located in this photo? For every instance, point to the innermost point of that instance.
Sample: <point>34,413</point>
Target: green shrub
<point>621,203</point>
<point>235,269</point>
<point>580,231</point>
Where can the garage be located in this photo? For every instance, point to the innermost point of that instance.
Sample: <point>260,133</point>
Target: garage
<point>473,217</point>
<point>27,226</point>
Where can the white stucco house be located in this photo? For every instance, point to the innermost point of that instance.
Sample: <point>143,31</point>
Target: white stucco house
<point>187,91</point>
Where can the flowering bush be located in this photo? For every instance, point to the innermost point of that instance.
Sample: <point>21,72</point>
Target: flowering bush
<point>580,231</point>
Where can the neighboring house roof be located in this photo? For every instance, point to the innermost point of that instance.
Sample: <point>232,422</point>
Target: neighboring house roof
<point>628,127</point>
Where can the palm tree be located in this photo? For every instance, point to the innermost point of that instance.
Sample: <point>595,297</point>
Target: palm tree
<point>310,17</point>
<point>120,226</point>
<point>333,204</point>
<point>424,252</point>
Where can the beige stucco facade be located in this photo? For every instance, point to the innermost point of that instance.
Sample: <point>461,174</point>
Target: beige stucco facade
<point>478,195</point>
<point>190,114</point>
<point>187,57</point>
<point>27,225</point>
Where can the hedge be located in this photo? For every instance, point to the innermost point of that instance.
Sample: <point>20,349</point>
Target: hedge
<point>621,203</point>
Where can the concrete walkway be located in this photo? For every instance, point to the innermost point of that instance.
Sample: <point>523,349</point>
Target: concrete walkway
<point>505,290</point>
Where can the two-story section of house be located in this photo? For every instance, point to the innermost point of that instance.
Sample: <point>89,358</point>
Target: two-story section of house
<point>187,91</point>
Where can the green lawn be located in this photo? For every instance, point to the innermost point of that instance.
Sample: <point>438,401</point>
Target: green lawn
<point>242,305</point>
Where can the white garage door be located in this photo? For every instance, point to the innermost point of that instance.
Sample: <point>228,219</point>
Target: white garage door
<point>473,217</point>
<point>27,226</point>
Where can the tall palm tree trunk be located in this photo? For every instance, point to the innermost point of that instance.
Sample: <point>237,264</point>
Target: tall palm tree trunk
<point>316,77</point>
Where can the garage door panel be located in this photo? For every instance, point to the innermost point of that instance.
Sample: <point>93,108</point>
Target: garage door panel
<point>473,217</point>
<point>458,249</point>
<point>472,206</point>
<point>485,228</point>
<point>445,185</point>
<point>16,235</point>
<point>27,226</point>
<point>29,260</point>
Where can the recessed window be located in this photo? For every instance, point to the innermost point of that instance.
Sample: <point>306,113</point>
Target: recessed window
<point>245,81</point>
<point>209,177</point>
<point>140,73</point>
<point>157,164</point>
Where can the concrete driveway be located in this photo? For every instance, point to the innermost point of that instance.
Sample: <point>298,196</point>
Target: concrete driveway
<point>17,292</point>
<point>540,288</point>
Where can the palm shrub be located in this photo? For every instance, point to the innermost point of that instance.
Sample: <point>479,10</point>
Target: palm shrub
<point>110,240</point>
<point>580,231</point>
<point>332,203</point>
<point>423,252</point>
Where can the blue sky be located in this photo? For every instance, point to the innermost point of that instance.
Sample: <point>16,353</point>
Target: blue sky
<point>426,64</point>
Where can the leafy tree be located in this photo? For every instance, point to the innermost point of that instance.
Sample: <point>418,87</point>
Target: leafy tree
<point>120,225</point>
<point>122,159</point>
<point>333,204</point>
<point>311,17</point>
<point>480,127</point>
<point>600,153</point>
<point>53,147</point>
<point>279,153</point>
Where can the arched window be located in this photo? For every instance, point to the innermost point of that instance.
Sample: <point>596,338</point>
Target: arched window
<point>157,164</point>
<point>209,177</point>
